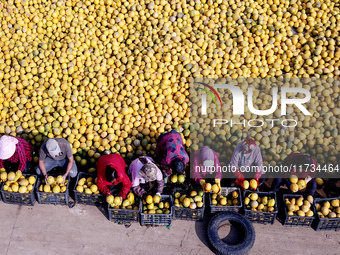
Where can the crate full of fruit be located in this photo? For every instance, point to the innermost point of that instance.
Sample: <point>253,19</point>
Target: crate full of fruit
<point>156,210</point>
<point>229,200</point>
<point>126,210</point>
<point>86,190</point>
<point>189,205</point>
<point>55,191</point>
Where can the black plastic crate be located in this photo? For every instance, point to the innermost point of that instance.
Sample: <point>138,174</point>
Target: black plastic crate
<point>53,198</point>
<point>88,199</point>
<point>19,198</point>
<point>225,191</point>
<point>124,215</point>
<point>261,217</point>
<point>181,213</point>
<point>157,219</point>
<point>325,223</point>
<point>294,220</point>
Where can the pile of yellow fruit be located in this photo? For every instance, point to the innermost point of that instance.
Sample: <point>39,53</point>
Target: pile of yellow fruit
<point>130,203</point>
<point>232,199</point>
<point>177,178</point>
<point>260,204</point>
<point>328,209</point>
<point>16,182</point>
<point>88,186</point>
<point>296,184</point>
<point>192,200</point>
<point>154,205</point>
<point>53,185</point>
<point>110,76</point>
<point>299,206</point>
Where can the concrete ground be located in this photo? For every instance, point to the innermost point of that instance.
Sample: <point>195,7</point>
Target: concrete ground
<point>57,229</point>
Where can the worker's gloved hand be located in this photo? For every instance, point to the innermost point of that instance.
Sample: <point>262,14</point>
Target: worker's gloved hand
<point>258,175</point>
<point>308,179</point>
<point>218,182</point>
<point>202,182</point>
<point>240,178</point>
<point>159,194</point>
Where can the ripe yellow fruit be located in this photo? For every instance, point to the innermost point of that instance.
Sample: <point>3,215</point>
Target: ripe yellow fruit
<point>47,188</point>
<point>293,179</point>
<point>186,202</point>
<point>294,187</point>
<point>56,189</point>
<point>22,189</point>
<point>50,180</point>
<point>174,178</point>
<point>181,178</point>
<point>118,201</point>
<point>80,188</point>
<point>245,185</point>
<point>319,181</point>
<point>156,199</point>
<point>31,180</point>
<point>301,184</point>
<point>60,179</point>
<point>11,176</point>
<point>94,188</point>
<point>3,176</point>
<point>208,187</point>
<point>253,196</point>
<point>24,182</point>
<point>82,181</point>
<point>234,194</point>
<point>215,188</point>
<point>63,189</point>
<point>253,184</point>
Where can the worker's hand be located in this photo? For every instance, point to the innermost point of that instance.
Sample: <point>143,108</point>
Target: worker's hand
<point>218,182</point>
<point>46,176</point>
<point>258,175</point>
<point>159,194</point>
<point>239,181</point>
<point>202,182</point>
<point>308,179</point>
<point>64,177</point>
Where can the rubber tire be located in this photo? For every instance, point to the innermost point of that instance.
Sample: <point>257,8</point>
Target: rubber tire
<point>220,247</point>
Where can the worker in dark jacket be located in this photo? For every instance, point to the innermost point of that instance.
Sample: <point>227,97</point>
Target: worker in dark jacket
<point>146,177</point>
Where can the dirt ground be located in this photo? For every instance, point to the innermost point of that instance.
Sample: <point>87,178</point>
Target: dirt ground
<point>57,229</point>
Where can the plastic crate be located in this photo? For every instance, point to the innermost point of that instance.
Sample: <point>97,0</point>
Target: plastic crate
<point>180,213</point>
<point>325,223</point>
<point>225,191</point>
<point>88,199</point>
<point>123,215</point>
<point>293,220</point>
<point>261,217</point>
<point>157,219</point>
<point>18,198</point>
<point>53,198</point>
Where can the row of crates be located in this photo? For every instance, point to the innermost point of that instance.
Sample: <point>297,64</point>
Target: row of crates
<point>181,213</point>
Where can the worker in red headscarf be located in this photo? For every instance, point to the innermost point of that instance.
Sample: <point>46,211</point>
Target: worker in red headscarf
<point>247,158</point>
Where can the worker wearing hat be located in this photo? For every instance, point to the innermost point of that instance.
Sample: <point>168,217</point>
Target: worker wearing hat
<point>15,150</point>
<point>247,155</point>
<point>206,165</point>
<point>171,154</point>
<point>112,177</point>
<point>56,152</point>
<point>146,177</point>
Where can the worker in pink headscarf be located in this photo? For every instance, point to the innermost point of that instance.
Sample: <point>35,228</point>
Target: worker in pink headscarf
<point>206,166</point>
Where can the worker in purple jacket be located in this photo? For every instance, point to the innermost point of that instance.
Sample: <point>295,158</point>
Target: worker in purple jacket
<point>247,159</point>
<point>145,177</point>
<point>171,154</point>
<point>206,166</point>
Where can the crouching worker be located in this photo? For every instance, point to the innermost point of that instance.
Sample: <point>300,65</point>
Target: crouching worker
<point>15,150</point>
<point>247,155</point>
<point>111,176</point>
<point>146,177</point>
<point>56,152</point>
<point>171,154</point>
<point>302,169</point>
<point>206,166</point>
